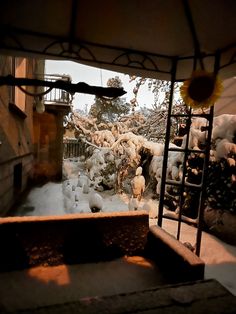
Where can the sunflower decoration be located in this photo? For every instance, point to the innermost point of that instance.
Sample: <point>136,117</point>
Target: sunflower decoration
<point>201,90</point>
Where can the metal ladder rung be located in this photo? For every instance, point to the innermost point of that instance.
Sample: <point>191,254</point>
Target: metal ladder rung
<point>172,149</point>
<point>185,219</point>
<point>202,115</point>
<point>179,183</point>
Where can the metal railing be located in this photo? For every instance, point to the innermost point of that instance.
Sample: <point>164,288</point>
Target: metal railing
<point>56,96</point>
<point>73,147</point>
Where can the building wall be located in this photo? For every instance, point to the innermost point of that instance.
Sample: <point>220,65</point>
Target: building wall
<point>227,102</point>
<point>31,144</point>
<point>48,145</point>
<point>16,132</point>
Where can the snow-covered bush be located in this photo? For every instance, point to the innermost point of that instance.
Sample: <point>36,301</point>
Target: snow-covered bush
<point>95,202</point>
<point>117,149</point>
<point>103,138</point>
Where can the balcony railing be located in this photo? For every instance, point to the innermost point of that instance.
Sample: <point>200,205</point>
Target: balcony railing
<point>57,96</point>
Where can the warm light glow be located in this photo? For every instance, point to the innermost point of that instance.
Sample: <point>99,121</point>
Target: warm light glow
<point>201,90</point>
<point>58,274</point>
<point>140,261</point>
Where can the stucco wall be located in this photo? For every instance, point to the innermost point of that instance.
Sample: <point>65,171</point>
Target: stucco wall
<point>48,145</point>
<point>31,144</point>
<point>16,132</point>
<point>227,102</point>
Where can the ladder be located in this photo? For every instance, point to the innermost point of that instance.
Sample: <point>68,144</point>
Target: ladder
<point>182,184</point>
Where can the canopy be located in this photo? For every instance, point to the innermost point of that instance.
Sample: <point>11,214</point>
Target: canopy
<point>145,38</point>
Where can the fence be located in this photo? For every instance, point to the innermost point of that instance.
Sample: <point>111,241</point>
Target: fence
<point>73,147</point>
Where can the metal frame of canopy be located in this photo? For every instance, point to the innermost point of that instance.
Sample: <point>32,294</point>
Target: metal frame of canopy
<point>31,30</point>
<point>202,186</point>
<point>198,57</point>
<point>183,184</point>
<point>120,58</point>
<point>107,55</point>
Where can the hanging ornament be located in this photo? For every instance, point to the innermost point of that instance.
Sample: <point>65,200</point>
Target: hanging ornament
<point>39,104</point>
<point>201,90</point>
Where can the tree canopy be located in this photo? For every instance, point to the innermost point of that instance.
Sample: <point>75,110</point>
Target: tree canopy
<point>109,110</point>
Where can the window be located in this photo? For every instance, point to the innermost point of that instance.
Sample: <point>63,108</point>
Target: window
<point>20,71</point>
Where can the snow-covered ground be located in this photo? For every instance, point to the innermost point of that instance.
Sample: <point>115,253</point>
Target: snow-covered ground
<point>68,198</point>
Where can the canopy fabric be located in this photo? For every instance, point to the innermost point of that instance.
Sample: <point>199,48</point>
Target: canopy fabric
<point>131,36</point>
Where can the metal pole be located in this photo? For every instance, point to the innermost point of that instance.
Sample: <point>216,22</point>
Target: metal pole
<point>167,140</point>
<point>205,168</point>
<point>188,125</point>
